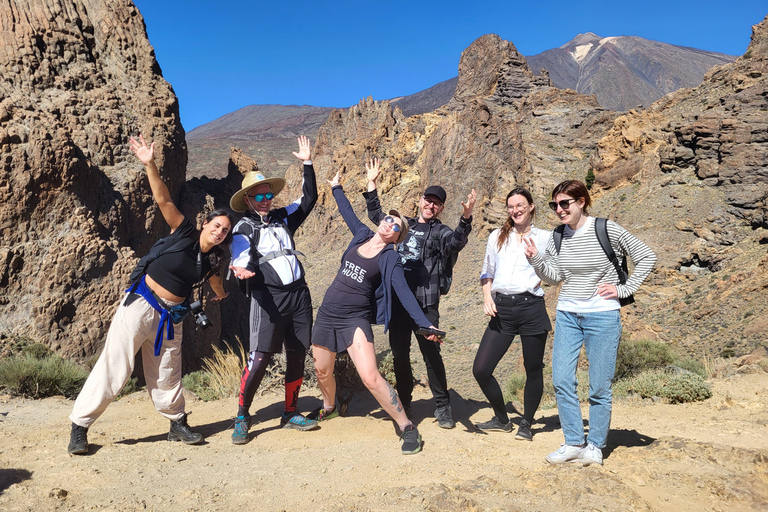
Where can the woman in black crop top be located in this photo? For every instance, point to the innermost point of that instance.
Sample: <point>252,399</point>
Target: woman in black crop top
<point>143,320</point>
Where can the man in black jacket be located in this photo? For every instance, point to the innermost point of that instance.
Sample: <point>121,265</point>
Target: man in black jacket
<point>429,247</point>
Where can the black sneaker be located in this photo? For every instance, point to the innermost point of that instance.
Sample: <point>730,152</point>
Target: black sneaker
<point>78,440</point>
<point>411,440</point>
<point>444,417</point>
<point>180,431</point>
<point>494,425</point>
<point>524,431</point>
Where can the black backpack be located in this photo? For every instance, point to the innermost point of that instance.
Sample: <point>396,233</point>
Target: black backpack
<point>601,230</point>
<point>165,245</point>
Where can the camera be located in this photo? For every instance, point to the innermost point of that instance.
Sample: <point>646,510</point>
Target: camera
<point>196,308</point>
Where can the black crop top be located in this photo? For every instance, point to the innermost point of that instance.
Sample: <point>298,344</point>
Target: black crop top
<point>177,272</point>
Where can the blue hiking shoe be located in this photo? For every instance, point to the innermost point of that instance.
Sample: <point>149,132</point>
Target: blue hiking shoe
<point>240,435</point>
<point>297,421</point>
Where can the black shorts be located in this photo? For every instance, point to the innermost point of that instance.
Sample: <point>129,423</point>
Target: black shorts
<point>280,316</point>
<point>337,334</point>
<point>520,314</point>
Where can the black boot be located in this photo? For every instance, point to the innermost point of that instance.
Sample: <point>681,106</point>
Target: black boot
<point>78,440</point>
<point>180,431</point>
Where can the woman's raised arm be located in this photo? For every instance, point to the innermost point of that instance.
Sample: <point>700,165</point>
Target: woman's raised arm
<point>173,217</point>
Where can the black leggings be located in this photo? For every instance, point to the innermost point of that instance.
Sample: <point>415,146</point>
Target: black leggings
<point>492,348</point>
<point>254,371</point>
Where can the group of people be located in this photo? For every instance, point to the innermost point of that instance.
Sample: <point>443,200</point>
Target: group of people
<point>393,275</point>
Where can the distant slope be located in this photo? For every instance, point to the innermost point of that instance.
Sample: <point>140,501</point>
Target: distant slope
<point>428,99</point>
<point>625,71</point>
<point>265,132</point>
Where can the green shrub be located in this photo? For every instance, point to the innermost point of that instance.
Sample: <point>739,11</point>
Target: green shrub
<point>590,178</point>
<point>515,387</point>
<point>36,350</point>
<point>52,375</point>
<point>637,356</point>
<point>674,387</point>
<point>199,383</point>
<point>692,365</point>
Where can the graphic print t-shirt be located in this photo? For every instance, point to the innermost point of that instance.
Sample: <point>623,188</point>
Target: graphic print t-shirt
<point>352,292</point>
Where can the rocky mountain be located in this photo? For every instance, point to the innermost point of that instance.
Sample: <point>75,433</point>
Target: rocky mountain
<point>268,132</point>
<point>79,77</point>
<point>625,71</point>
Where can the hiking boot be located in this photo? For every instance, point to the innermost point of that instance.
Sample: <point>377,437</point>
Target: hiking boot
<point>321,414</point>
<point>78,440</point>
<point>297,421</point>
<point>592,455</point>
<point>444,417</point>
<point>411,440</point>
<point>566,453</point>
<point>524,431</point>
<point>180,431</point>
<point>240,435</point>
<point>494,425</point>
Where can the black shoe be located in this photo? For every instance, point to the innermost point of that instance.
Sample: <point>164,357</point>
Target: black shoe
<point>444,416</point>
<point>180,431</point>
<point>494,425</point>
<point>78,440</point>
<point>411,440</point>
<point>524,431</point>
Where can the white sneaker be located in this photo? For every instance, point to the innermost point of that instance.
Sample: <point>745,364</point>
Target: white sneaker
<point>566,453</point>
<point>592,455</point>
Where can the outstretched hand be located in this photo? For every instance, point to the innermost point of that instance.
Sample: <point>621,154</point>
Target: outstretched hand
<point>530,247</point>
<point>469,205</point>
<point>241,272</point>
<point>145,153</point>
<point>335,180</point>
<point>304,149</point>
<point>373,170</point>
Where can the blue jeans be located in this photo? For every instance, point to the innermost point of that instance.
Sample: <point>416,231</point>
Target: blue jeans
<point>599,333</point>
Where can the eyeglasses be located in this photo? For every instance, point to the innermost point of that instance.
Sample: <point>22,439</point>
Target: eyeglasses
<point>432,201</point>
<point>515,207</point>
<point>391,220</point>
<point>564,204</point>
<point>260,197</point>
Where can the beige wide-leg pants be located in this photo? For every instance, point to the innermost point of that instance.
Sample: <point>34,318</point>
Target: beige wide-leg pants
<point>133,328</point>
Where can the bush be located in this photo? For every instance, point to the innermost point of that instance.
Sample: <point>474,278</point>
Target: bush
<point>515,388</point>
<point>32,377</point>
<point>674,387</point>
<point>635,357</point>
<point>199,383</point>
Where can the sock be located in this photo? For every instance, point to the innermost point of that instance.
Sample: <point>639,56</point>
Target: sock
<point>292,395</point>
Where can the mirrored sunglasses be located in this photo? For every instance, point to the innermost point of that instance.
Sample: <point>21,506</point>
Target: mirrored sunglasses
<point>260,197</point>
<point>391,220</point>
<point>564,204</point>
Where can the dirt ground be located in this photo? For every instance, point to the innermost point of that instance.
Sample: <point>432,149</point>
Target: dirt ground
<point>710,455</point>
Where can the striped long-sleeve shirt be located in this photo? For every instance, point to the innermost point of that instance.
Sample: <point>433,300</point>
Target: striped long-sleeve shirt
<point>582,265</point>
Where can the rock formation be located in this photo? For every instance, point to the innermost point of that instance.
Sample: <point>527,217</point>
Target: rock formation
<point>79,77</point>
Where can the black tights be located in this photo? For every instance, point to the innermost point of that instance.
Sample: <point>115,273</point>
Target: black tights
<point>492,348</point>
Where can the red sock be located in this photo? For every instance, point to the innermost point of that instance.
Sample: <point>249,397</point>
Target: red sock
<point>292,394</point>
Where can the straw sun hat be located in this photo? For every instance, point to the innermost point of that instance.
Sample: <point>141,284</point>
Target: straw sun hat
<point>250,180</point>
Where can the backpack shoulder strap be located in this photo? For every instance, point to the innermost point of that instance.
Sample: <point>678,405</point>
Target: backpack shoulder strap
<point>601,230</point>
<point>557,236</point>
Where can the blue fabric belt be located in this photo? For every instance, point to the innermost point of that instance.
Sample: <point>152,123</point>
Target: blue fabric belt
<point>165,317</point>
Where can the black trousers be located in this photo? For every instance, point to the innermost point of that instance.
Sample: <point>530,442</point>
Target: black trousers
<point>401,326</point>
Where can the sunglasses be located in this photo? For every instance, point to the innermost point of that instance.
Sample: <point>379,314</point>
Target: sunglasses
<point>391,220</point>
<point>260,197</point>
<point>564,204</point>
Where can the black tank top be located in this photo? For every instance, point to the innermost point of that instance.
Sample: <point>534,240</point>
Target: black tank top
<point>352,293</point>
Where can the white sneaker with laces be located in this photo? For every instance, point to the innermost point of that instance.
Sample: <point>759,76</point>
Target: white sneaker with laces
<point>592,455</point>
<point>566,453</point>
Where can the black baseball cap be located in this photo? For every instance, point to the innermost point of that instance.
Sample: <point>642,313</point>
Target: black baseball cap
<point>437,191</point>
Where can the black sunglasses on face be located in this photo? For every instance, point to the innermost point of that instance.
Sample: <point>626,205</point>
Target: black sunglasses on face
<point>260,197</point>
<point>564,204</point>
<point>391,220</point>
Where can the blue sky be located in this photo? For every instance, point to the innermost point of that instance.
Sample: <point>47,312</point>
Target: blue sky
<point>220,58</point>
